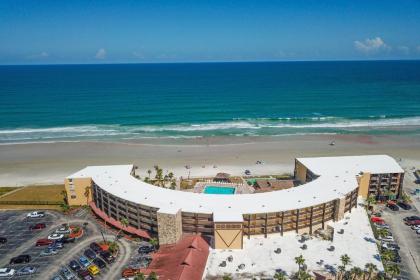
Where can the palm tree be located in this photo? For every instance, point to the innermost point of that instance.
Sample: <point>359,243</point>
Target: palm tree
<point>227,277</point>
<point>370,268</point>
<point>387,256</point>
<point>356,272</point>
<point>87,193</point>
<point>345,260</point>
<point>149,172</point>
<point>152,276</point>
<point>139,276</point>
<point>382,232</point>
<point>124,223</point>
<point>154,242</point>
<point>300,261</point>
<point>370,200</point>
<point>393,270</point>
<point>341,270</point>
<point>280,276</point>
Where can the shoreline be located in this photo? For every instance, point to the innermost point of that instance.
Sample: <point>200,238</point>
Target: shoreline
<point>44,163</point>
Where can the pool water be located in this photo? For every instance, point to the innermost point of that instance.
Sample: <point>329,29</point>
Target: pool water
<point>218,190</point>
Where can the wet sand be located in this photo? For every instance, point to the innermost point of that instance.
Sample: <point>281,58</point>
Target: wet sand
<point>41,163</point>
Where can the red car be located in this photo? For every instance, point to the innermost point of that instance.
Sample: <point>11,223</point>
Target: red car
<point>377,219</point>
<point>412,223</point>
<point>37,226</point>
<point>130,272</point>
<point>44,242</point>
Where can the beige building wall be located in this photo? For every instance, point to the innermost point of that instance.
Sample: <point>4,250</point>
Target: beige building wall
<point>339,209</point>
<point>76,189</point>
<point>364,184</point>
<point>169,227</point>
<point>300,171</point>
<point>228,236</point>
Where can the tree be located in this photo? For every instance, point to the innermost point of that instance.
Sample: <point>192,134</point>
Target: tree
<point>382,232</point>
<point>227,277</point>
<point>113,247</point>
<point>154,242</point>
<point>393,270</point>
<point>139,276</point>
<point>345,260</point>
<point>370,200</point>
<point>280,276</point>
<point>370,268</point>
<point>152,276</point>
<point>356,272</point>
<point>173,185</point>
<point>87,193</point>
<point>300,261</point>
<point>387,256</point>
<point>65,207</point>
<point>149,172</point>
<point>341,270</point>
<point>124,223</point>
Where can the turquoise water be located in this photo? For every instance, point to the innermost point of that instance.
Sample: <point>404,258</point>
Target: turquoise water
<point>135,101</point>
<point>218,190</point>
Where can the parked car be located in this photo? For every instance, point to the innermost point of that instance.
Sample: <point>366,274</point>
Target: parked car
<point>84,261</point>
<point>95,247</point>
<point>49,252</point>
<point>396,257</point>
<point>145,249</point>
<point>7,272</point>
<point>68,239</point>
<point>75,266</point>
<point>44,242</point>
<point>130,272</point>
<point>107,256</point>
<point>404,205</point>
<point>62,230</point>
<point>411,218</point>
<point>90,254</point>
<point>84,274</point>
<point>57,277</point>
<point>56,245</point>
<point>36,214</point>
<point>412,223</point>
<point>99,263</point>
<point>67,274</point>
<point>393,207</point>
<point>20,259</point>
<point>93,270</point>
<point>3,240</point>
<point>415,227</point>
<point>55,236</point>
<point>418,231</point>
<point>37,226</point>
<point>388,238</point>
<point>26,270</point>
<point>385,226</point>
<point>375,219</point>
<point>390,246</point>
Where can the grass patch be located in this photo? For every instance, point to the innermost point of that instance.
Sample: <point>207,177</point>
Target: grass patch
<point>4,190</point>
<point>50,193</point>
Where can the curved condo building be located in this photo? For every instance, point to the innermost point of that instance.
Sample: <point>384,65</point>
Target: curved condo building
<point>329,187</point>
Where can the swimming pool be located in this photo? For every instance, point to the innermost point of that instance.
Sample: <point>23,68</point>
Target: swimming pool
<point>218,190</point>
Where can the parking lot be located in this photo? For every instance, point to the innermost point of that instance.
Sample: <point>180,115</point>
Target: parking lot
<point>408,241</point>
<point>21,241</point>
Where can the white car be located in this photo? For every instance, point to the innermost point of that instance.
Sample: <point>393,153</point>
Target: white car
<point>7,272</point>
<point>416,227</point>
<point>55,236</point>
<point>63,230</point>
<point>36,214</point>
<point>388,238</point>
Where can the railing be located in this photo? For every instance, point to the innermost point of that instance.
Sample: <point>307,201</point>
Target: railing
<point>36,202</point>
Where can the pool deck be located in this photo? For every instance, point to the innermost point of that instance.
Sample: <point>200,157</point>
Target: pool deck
<point>239,188</point>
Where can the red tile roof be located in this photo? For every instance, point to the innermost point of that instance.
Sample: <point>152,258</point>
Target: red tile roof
<point>185,260</point>
<point>117,224</point>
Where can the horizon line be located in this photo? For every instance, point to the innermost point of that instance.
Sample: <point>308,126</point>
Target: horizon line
<point>212,62</point>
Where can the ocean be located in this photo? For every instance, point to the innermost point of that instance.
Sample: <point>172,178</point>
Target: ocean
<point>133,101</point>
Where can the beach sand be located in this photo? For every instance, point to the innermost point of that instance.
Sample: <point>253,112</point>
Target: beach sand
<point>41,163</point>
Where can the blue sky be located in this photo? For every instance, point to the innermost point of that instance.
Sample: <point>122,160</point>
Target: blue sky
<point>38,32</point>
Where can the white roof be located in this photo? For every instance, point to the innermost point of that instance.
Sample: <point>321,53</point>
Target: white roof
<point>337,177</point>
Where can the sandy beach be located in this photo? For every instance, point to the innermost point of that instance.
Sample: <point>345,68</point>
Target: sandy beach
<point>41,163</point>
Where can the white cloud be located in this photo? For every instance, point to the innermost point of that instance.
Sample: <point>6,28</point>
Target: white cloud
<point>39,55</point>
<point>101,54</point>
<point>403,49</point>
<point>371,45</point>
